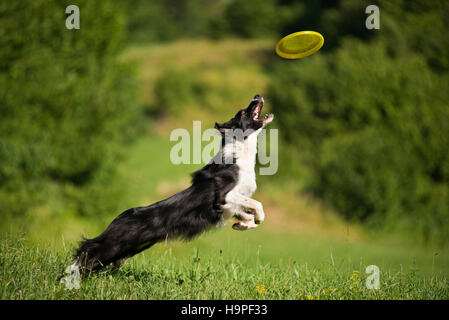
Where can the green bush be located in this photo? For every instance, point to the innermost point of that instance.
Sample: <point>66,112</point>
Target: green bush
<point>175,88</point>
<point>252,18</point>
<point>164,20</point>
<point>373,128</point>
<point>65,101</point>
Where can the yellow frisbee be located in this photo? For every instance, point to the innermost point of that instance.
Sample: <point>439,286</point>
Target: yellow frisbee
<point>299,44</point>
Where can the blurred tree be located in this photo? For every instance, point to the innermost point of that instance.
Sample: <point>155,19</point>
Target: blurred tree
<point>370,117</point>
<point>162,20</point>
<point>419,26</point>
<point>64,99</point>
<point>252,18</point>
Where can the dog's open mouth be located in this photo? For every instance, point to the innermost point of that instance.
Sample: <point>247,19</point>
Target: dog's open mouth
<point>256,113</point>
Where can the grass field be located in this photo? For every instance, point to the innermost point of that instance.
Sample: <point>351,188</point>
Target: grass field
<point>225,265</point>
<point>302,251</point>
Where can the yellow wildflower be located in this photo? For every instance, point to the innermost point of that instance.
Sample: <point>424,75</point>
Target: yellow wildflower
<point>260,289</point>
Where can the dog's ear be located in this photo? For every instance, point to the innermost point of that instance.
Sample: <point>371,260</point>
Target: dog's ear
<point>220,127</point>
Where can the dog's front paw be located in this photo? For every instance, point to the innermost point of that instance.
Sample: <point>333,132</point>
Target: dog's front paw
<point>257,212</point>
<point>259,220</point>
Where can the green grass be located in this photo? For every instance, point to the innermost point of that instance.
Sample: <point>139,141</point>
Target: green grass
<point>301,251</point>
<point>230,269</point>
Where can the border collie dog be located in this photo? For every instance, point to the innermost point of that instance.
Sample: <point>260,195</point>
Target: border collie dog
<point>221,190</point>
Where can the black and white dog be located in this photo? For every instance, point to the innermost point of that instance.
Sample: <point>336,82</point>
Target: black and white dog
<point>219,191</point>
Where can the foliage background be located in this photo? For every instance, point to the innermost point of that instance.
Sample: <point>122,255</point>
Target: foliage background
<point>66,105</point>
<point>85,114</point>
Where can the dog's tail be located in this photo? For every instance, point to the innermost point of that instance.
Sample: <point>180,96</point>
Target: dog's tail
<point>122,239</point>
<point>86,258</point>
<point>91,255</point>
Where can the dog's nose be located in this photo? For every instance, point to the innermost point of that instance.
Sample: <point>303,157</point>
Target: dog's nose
<point>257,97</point>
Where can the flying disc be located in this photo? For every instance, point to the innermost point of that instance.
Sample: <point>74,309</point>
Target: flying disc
<point>299,44</point>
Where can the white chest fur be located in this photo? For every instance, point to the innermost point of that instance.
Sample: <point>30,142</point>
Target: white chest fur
<point>245,154</point>
<point>246,161</point>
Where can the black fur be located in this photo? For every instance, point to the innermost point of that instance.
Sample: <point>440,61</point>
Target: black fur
<point>182,216</point>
